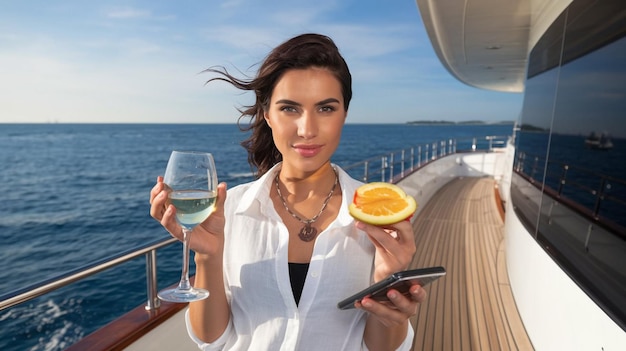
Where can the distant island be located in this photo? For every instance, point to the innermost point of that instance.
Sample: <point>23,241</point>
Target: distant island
<point>452,123</point>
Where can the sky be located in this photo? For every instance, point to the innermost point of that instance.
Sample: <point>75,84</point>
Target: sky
<point>141,61</point>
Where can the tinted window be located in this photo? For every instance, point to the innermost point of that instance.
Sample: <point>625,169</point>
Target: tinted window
<point>570,187</point>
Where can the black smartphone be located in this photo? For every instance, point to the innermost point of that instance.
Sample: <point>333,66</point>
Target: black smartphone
<point>401,281</point>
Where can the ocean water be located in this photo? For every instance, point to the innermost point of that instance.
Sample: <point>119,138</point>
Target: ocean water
<point>76,193</point>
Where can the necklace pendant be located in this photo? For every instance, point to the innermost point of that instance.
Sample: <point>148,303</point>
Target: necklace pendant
<point>307,233</point>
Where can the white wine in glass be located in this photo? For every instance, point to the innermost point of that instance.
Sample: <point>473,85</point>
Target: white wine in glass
<point>191,180</point>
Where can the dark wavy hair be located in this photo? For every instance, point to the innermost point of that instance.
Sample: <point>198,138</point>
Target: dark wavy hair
<point>300,52</point>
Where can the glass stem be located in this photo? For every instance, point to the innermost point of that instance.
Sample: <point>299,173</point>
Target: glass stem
<point>184,278</point>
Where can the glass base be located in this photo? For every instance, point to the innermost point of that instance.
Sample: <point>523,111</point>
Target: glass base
<point>180,295</point>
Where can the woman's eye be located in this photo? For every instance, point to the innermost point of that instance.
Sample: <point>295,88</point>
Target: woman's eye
<point>327,109</point>
<point>288,108</point>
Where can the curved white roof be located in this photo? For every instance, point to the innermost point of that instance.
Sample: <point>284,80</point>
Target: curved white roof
<point>483,43</point>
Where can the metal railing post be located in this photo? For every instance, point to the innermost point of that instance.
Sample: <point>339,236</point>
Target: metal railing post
<point>596,208</point>
<point>589,230</point>
<point>383,165</point>
<point>534,169</point>
<point>520,162</point>
<point>153,302</point>
<point>402,164</point>
<point>419,156</point>
<point>563,179</point>
<point>391,157</point>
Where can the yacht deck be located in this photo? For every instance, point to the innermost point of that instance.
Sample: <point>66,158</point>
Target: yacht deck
<point>472,307</point>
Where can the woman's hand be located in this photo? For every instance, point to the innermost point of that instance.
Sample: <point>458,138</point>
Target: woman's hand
<point>399,308</point>
<point>395,247</point>
<point>209,318</point>
<point>207,238</point>
<point>387,324</point>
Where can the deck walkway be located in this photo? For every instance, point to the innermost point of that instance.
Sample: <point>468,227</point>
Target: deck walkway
<point>472,307</point>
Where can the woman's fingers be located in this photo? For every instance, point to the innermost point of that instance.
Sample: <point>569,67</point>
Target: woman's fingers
<point>418,294</point>
<point>398,309</point>
<point>391,236</point>
<point>215,223</point>
<point>395,247</point>
<point>162,211</point>
<point>168,221</point>
<point>207,238</point>
<point>158,205</point>
<point>156,189</point>
<point>404,232</point>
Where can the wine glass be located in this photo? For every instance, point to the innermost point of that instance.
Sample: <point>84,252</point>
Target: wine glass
<point>191,180</point>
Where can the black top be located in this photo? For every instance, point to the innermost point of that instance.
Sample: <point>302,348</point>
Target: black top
<point>297,275</point>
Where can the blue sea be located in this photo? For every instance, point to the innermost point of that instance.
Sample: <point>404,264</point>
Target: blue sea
<point>76,193</point>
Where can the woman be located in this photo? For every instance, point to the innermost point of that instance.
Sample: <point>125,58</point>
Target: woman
<point>276,269</point>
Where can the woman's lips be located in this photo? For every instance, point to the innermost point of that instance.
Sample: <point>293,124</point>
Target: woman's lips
<point>307,150</point>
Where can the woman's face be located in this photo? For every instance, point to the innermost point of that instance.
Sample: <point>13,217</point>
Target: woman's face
<point>306,114</point>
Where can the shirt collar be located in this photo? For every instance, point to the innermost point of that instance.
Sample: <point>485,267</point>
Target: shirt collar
<point>256,199</point>
<point>258,193</point>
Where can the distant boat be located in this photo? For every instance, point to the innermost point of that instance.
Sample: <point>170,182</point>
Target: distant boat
<point>599,141</point>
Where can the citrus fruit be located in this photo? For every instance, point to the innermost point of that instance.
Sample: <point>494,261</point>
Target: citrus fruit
<point>381,203</point>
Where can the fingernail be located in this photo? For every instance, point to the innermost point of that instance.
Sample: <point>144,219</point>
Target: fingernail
<point>393,295</point>
<point>360,225</point>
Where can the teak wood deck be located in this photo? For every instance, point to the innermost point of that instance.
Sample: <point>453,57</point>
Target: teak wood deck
<point>472,307</point>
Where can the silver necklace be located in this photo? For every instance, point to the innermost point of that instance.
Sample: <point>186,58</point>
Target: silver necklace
<point>308,232</point>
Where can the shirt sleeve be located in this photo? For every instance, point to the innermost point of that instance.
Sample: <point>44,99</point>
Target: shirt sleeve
<point>216,345</point>
<point>408,341</point>
<point>406,345</point>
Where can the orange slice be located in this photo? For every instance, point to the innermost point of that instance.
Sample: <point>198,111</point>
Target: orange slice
<point>380,203</point>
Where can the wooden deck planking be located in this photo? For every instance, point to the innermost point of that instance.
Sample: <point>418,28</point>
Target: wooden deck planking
<point>472,308</point>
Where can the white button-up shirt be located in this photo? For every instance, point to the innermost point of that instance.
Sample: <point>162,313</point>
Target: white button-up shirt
<point>264,314</point>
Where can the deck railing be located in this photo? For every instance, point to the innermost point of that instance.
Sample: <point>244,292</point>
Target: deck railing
<point>398,163</point>
<point>597,196</point>
<point>30,292</point>
<point>576,214</point>
<point>406,160</point>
